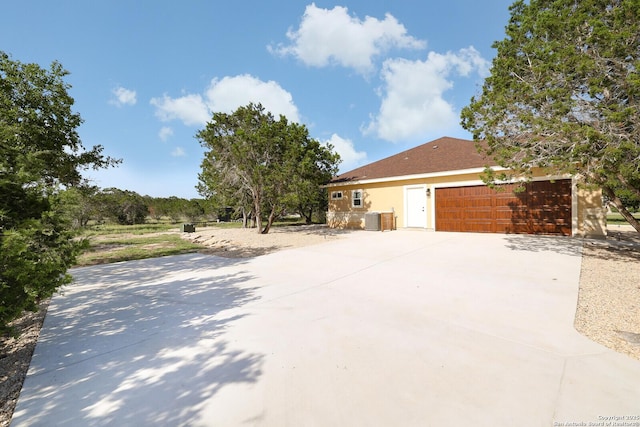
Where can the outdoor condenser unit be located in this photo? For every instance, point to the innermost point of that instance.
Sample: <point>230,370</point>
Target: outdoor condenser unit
<point>372,221</point>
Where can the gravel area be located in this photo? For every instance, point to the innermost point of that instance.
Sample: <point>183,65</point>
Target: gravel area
<point>247,242</point>
<point>15,356</point>
<point>607,307</point>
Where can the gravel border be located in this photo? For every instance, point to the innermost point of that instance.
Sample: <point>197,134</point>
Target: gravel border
<point>609,297</point>
<point>15,357</point>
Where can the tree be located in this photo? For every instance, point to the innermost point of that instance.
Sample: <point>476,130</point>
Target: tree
<point>260,164</point>
<point>78,204</point>
<point>124,206</point>
<point>564,95</point>
<point>193,210</point>
<point>155,206</point>
<point>317,166</point>
<point>40,154</point>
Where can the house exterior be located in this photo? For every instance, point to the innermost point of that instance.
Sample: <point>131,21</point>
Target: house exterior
<point>437,186</point>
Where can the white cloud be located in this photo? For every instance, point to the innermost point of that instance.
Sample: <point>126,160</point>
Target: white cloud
<point>178,152</point>
<point>332,36</point>
<point>165,133</point>
<point>226,95</point>
<point>229,93</point>
<point>413,104</point>
<point>123,96</point>
<point>190,109</point>
<point>351,158</point>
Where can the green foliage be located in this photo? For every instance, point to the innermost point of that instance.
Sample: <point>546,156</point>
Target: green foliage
<point>262,166</point>
<point>78,204</point>
<point>35,257</point>
<point>84,204</point>
<point>178,209</point>
<point>564,94</point>
<point>193,210</point>
<point>123,206</point>
<point>40,153</point>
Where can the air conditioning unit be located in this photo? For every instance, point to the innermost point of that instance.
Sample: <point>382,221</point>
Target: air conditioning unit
<point>372,221</point>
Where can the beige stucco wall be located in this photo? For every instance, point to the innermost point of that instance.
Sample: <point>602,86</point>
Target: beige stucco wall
<point>591,218</point>
<point>385,197</point>
<point>588,215</point>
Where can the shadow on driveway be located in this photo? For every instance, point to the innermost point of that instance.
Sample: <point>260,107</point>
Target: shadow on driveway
<point>557,244</point>
<point>399,328</point>
<point>138,343</point>
<point>627,249</point>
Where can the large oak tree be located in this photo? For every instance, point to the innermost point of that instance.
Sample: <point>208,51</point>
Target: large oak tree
<point>564,95</point>
<point>262,165</point>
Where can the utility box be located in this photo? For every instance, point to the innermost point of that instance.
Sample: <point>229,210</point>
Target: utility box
<point>387,221</point>
<point>188,228</point>
<point>372,221</point>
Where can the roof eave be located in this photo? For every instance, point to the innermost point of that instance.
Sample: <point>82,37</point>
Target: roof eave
<point>414,176</point>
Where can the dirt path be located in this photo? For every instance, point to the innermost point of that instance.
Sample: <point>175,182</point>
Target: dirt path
<point>243,243</point>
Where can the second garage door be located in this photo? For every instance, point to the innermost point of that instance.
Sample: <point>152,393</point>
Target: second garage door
<point>543,208</point>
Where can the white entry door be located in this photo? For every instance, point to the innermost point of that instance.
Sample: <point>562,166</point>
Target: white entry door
<point>416,206</point>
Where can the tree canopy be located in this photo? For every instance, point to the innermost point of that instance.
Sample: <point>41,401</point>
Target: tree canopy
<point>564,95</point>
<point>263,166</point>
<point>40,153</point>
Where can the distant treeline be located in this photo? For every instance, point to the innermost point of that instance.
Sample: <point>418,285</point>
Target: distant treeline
<point>92,205</point>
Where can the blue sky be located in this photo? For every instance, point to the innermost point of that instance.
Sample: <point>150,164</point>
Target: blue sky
<point>371,77</point>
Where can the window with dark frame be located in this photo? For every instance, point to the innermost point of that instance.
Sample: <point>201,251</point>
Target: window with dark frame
<point>356,198</point>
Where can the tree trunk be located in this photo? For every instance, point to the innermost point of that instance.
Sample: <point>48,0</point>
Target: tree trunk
<point>245,219</point>
<point>272,216</point>
<point>257,212</point>
<point>307,217</point>
<point>615,201</point>
<point>258,221</point>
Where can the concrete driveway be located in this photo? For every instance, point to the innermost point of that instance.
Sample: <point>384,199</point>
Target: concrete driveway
<point>378,329</point>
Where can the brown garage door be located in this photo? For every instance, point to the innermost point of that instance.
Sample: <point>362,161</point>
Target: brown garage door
<point>543,208</point>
